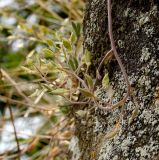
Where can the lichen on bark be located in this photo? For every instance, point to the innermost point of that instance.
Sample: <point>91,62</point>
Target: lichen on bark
<point>136,31</point>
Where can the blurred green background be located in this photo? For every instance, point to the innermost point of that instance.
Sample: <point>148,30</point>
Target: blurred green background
<point>43,130</point>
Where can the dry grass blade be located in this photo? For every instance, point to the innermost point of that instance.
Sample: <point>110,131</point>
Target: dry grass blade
<point>15,132</point>
<point>6,75</point>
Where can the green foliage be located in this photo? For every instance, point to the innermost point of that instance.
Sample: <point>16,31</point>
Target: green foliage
<point>89,81</point>
<point>65,109</point>
<point>86,59</point>
<point>11,60</point>
<point>77,28</point>
<point>105,81</point>
<point>42,51</point>
<point>86,93</point>
<point>67,44</point>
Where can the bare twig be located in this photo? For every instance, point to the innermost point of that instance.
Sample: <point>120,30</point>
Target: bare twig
<point>13,101</point>
<point>43,76</point>
<point>100,66</point>
<point>46,8</point>
<point>114,48</point>
<point>29,135</point>
<point>15,132</point>
<point>76,76</point>
<point>76,102</point>
<point>105,57</point>
<point>6,75</point>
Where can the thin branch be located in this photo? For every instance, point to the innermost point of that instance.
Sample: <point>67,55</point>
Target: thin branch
<point>105,57</point>
<point>15,132</point>
<point>13,101</point>
<point>29,135</point>
<point>78,102</point>
<point>76,76</point>
<point>60,129</point>
<point>6,75</point>
<point>42,76</point>
<point>46,8</point>
<point>100,66</point>
<point>114,48</point>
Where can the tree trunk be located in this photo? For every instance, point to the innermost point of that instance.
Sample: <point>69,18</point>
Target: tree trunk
<point>136,34</point>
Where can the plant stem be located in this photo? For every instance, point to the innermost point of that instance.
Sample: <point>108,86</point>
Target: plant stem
<point>114,48</point>
<point>15,132</point>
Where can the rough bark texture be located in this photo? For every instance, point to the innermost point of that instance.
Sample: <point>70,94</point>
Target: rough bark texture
<point>136,32</point>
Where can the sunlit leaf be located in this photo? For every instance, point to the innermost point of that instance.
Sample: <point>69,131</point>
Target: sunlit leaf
<point>31,54</point>
<point>73,63</point>
<point>28,70</point>
<point>86,59</point>
<point>64,109</point>
<point>77,28</point>
<point>72,38</point>
<point>81,113</point>
<point>105,81</point>
<point>89,81</point>
<point>51,44</point>
<point>29,62</point>
<point>59,91</point>
<point>67,44</point>
<point>114,131</point>
<point>48,53</point>
<point>86,92</point>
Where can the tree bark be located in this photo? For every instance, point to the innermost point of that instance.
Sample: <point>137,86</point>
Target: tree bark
<point>136,34</point>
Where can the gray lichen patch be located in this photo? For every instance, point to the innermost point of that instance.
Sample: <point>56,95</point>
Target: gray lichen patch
<point>145,121</point>
<point>95,26</point>
<point>139,139</point>
<point>74,148</point>
<point>135,29</point>
<point>145,54</point>
<point>136,141</point>
<point>144,21</point>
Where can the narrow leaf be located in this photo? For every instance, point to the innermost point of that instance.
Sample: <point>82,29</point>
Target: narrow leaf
<point>59,91</point>
<point>67,44</point>
<point>48,53</point>
<point>72,38</point>
<point>86,92</point>
<point>77,28</point>
<point>86,59</point>
<point>89,81</point>
<point>114,132</point>
<point>105,81</point>
<point>73,63</point>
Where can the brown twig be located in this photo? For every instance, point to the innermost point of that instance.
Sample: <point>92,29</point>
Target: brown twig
<point>15,132</point>
<point>114,48</point>
<point>13,101</point>
<point>105,57</point>
<point>76,76</point>
<point>76,102</point>
<point>6,75</point>
<point>100,66</point>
